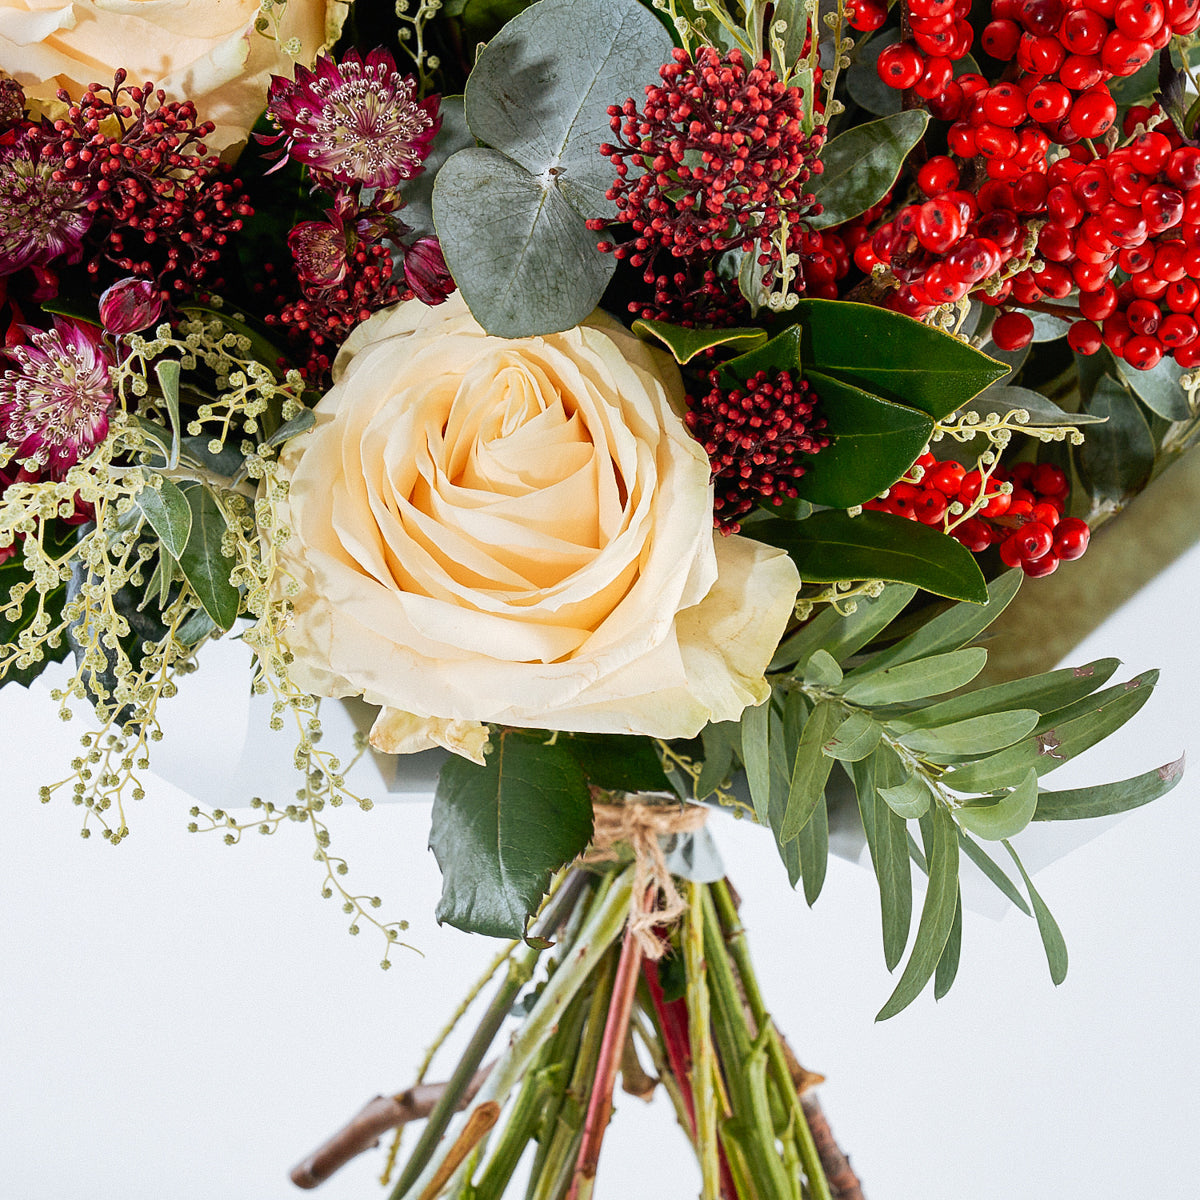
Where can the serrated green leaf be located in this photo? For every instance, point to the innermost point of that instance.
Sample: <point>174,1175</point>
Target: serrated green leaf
<point>617,762</point>
<point>1052,938</point>
<point>202,562</point>
<point>909,799</point>
<point>1046,693</point>
<point>843,634</point>
<point>1159,389</point>
<point>915,680</point>
<point>1050,749</point>
<point>872,443</point>
<point>831,546</point>
<point>862,164</point>
<point>810,770</point>
<point>756,757</point>
<point>954,628</point>
<point>1115,461</point>
<point>976,735</point>
<point>855,738</point>
<point>169,514</point>
<point>947,967</point>
<point>1007,816</point>
<point>822,670</point>
<point>1042,412</point>
<point>685,344</point>
<point>500,830</point>
<point>892,356</point>
<point>984,862</point>
<point>1080,804</point>
<point>937,913</point>
<point>812,842</point>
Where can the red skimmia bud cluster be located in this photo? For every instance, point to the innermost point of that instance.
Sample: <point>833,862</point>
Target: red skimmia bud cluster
<point>1025,521</point>
<point>756,438</point>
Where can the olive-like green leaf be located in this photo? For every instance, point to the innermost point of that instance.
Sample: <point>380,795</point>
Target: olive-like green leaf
<point>974,735</point>
<point>937,913</point>
<point>916,680</point>
<point>781,353</point>
<point>1052,938</point>
<point>947,967</point>
<point>981,859</point>
<point>540,91</point>
<point>500,830</point>
<point>872,443</point>
<point>810,769</point>
<point>1042,412</point>
<point>522,257</point>
<point>822,670</point>
<point>685,344</point>
<point>844,634</point>
<point>168,513</point>
<point>204,565</point>
<point>909,799</point>
<point>167,371</point>
<point>1105,799</point>
<point>756,757</point>
<point>861,165</point>
<point>1045,751</point>
<point>1116,459</point>
<point>719,740</point>
<point>300,423</point>
<point>1048,692</point>
<point>832,545</point>
<point>812,842</point>
<point>953,628</point>
<point>1007,816</point>
<point>855,738</point>
<point>1159,389</point>
<point>891,355</point>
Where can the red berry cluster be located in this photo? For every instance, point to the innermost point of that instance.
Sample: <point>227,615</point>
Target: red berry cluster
<point>728,160</point>
<point>939,34</point>
<point>1026,523</point>
<point>755,437</point>
<point>164,208</point>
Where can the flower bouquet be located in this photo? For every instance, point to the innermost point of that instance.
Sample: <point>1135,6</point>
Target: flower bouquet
<point>653,407</point>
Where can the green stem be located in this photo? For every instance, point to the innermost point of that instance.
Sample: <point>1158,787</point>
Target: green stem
<point>520,1126</point>
<point>704,1059</point>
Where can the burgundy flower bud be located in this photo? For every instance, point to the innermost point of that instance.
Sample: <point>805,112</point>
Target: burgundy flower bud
<point>425,271</point>
<point>130,306</point>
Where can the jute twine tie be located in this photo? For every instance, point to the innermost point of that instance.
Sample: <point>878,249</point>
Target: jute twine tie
<point>641,826</point>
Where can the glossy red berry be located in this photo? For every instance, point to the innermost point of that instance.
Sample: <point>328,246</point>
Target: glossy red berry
<point>1071,537</point>
<point>1012,331</point>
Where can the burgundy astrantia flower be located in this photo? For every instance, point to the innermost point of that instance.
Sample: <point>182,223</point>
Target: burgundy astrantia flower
<point>357,121</point>
<point>44,210</point>
<point>55,400</point>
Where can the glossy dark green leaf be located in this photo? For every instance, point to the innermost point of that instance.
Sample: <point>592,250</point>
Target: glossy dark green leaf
<point>617,762</point>
<point>1115,460</point>
<point>1050,749</point>
<point>812,842</point>
<point>1159,389</point>
<point>1052,938</point>
<point>953,628</point>
<point>892,356</point>
<point>168,513</point>
<point>685,344</point>
<point>872,443</point>
<point>844,634</point>
<point>204,566</point>
<point>861,165</point>
<point>781,353</point>
<point>522,257</point>
<point>947,967</point>
<point>984,734</point>
<point>1046,693</point>
<point>915,680</point>
<point>855,738</point>
<point>1004,818</point>
<point>500,830</point>
<point>862,78</point>
<point>756,757</point>
<point>937,913</point>
<point>831,546</point>
<point>909,799</point>
<point>1080,804</point>
<point>976,853</point>
<point>1042,412</point>
<point>810,769</point>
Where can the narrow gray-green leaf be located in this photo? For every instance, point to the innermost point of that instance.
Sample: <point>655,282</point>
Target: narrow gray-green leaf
<point>861,165</point>
<point>167,510</point>
<point>1052,938</point>
<point>756,757</point>
<point>1080,804</point>
<point>822,670</point>
<point>976,853</point>
<point>301,422</point>
<point>167,370</point>
<point>718,740</point>
<point>916,680</point>
<point>947,967</point>
<point>975,735</point>
<point>909,799</point>
<point>1159,389</point>
<point>937,913</point>
<point>840,634</point>
<point>1116,459</point>
<point>1007,816</point>
<point>856,737</point>
<point>1000,399</point>
<point>810,769</point>
<point>203,564</point>
<point>887,839</point>
<point>813,844</point>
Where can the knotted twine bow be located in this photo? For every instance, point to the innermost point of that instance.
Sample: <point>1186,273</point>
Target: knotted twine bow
<point>641,825</point>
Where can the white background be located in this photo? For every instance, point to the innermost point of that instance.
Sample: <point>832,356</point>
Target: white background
<point>186,1020</point>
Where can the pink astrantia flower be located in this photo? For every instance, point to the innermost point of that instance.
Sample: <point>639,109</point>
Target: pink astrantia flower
<point>356,122</point>
<point>55,401</point>
<point>41,217</point>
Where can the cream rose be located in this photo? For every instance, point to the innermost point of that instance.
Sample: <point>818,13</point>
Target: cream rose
<point>206,51</point>
<point>517,532</point>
